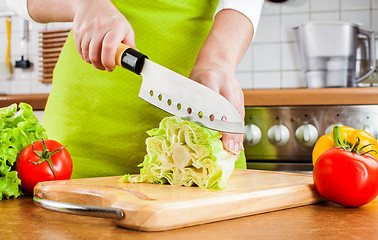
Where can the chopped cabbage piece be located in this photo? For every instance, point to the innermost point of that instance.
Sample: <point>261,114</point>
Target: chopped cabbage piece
<point>181,152</point>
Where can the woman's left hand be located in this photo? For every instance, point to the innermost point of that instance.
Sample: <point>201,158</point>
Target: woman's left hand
<point>225,84</point>
<point>216,63</point>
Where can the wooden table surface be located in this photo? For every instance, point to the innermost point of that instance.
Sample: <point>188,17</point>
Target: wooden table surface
<point>21,219</point>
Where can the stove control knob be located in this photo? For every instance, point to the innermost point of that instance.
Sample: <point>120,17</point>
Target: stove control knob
<point>306,134</point>
<point>330,128</point>
<point>252,134</point>
<point>278,135</point>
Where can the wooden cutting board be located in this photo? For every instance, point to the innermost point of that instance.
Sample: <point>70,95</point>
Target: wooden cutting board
<point>153,207</point>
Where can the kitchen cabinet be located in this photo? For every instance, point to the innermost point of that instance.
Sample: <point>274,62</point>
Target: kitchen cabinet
<point>21,218</point>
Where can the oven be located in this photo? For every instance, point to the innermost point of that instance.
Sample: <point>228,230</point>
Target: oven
<point>281,138</point>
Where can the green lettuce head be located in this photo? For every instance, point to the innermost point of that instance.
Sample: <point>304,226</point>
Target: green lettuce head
<point>181,152</point>
<point>18,128</point>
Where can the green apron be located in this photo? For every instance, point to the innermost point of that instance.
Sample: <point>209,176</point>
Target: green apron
<point>98,115</point>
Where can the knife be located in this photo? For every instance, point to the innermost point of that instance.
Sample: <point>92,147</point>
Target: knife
<point>179,95</point>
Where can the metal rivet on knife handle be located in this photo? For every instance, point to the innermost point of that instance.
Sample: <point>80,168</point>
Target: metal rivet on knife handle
<point>129,58</point>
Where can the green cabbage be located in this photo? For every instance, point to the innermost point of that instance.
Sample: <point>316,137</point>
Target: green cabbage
<point>181,152</point>
<point>17,130</point>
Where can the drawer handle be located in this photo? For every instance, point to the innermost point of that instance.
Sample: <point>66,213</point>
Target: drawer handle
<point>78,209</point>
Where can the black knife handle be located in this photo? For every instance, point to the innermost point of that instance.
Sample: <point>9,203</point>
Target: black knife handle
<point>130,58</point>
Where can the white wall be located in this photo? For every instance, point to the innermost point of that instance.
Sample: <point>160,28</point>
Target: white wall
<point>23,81</point>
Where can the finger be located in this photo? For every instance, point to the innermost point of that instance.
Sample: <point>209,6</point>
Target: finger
<point>78,39</point>
<point>233,143</point>
<point>109,47</point>
<point>84,45</point>
<point>95,49</point>
<point>82,35</point>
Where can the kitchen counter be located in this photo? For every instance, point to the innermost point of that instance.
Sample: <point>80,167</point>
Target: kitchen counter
<point>304,96</point>
<point>257,97</point>
<point>37,101</point>
<point>21,219</point>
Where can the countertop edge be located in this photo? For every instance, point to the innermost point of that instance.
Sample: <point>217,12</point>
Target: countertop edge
<point>304,96</point>
<point>37,101</point>
<point>255,97</point>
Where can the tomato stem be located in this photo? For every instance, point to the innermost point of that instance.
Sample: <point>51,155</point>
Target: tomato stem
<point>347,146</point>
<point>355,147</point>
<point>45,155</point>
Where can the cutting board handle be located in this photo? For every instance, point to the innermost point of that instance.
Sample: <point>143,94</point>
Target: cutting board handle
<point>129,58</point>
<point>78,209</point>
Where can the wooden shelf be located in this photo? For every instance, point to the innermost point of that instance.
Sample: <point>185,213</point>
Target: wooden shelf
<point>304,96</point>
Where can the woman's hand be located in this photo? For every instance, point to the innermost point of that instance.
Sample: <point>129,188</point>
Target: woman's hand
<point>216,78</point>
<point>98,28</point>
<point>217,60</point>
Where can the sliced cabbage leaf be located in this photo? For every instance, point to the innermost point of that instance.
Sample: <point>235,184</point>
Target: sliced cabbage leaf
<point>18,128</point>
<point>181,152</point>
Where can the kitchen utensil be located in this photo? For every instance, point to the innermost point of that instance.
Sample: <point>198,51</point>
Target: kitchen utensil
<point>23,63</point>
<point>6,67</point>
<point>327,51</point>
<point>7,58</point>
<point>179,95</point>
<point>51,44</point>
<point>155,207</point>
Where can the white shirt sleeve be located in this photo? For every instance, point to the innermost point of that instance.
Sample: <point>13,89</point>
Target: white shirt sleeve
<point>20,7</point>
<point>250,8</point>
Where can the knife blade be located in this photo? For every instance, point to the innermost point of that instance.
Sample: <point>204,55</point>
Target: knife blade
<point>179,95</point>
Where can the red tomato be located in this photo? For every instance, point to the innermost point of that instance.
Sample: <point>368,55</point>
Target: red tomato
<point>31,172</point>
<point>346,178</point>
